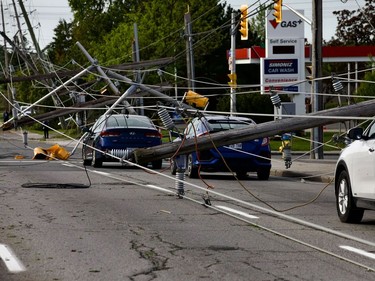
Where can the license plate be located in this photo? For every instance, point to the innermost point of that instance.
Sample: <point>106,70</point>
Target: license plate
<point>236,146</point>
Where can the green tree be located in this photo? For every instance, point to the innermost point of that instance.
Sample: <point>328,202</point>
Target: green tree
<point>59,50</point>
<point>250,103</point>
<point>355,28</point>
<point>161,29</point>
<point>366,89</point>
<point>94,19</point>
<point>161,34</point>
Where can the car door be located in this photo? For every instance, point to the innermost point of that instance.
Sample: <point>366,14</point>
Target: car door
<point>363,166</point>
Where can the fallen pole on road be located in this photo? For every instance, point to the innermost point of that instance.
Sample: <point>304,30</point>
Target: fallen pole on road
<point>268,129</point>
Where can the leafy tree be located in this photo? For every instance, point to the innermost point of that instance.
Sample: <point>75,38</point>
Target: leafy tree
<point>94,19</point>
<point>250,103</point>
<point>367,89</point>
<point>355,27</point>
<point>161,34</point>
<point>59,49</point>
<point>161,29</point>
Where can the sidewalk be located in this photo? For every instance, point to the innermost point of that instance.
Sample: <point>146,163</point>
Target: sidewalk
<point>53,138</point>
<point>321,170</point>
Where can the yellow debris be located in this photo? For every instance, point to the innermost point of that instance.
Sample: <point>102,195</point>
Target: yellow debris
<point>54,152</point>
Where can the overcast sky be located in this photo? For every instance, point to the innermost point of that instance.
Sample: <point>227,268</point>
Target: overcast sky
<point>45,14</point>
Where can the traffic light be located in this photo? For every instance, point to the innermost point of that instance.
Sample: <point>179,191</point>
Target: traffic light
<point>233,80</point>
<point>277,7</point>
<point>243,22</point>
<point>195,99</point>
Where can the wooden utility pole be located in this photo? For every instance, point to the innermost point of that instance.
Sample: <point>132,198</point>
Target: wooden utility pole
<point>19,27</point>
<point>6,58</point>
<point>189,52</point>
<point>317,99</point>
<point>50,83</point>
<point>30,28</point>
<point>70,73</point>
<point>268,129</point>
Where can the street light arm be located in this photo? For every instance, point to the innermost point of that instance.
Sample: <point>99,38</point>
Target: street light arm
<point>298,14</point>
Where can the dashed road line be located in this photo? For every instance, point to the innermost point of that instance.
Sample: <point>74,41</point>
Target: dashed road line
<point>10,260</point>
<point>359,251</point>
<point>237,212</point>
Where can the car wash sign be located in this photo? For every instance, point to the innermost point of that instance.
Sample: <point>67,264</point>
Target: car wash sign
<point>281,66</point>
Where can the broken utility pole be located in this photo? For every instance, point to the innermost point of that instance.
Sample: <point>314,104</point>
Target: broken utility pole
<point>268,129</point>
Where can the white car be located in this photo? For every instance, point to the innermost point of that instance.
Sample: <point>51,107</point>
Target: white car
<point>355,175</point>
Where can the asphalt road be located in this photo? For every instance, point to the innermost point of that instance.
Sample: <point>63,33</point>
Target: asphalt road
<point>121,223</point>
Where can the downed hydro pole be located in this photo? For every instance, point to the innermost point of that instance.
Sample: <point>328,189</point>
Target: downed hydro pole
<point>133,87</point>
<point>268,129</point>
<point>94,66</point>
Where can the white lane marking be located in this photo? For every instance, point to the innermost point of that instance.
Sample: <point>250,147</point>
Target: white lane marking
<point>11,261</point>
<point>359,251</point>
<point>101,173</point>
<point>237,212</point>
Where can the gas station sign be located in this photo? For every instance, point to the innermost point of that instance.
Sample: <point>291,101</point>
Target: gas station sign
<point>283,65</point>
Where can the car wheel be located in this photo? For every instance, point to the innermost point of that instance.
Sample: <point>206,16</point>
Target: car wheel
<point>345,205</point>
<point>97,163</point>
<point>173,167</point>
<point>263,174</point>
<point>192,171</point>
<point>241,175</point>
<point>87,162</point>
<point>157,164</point>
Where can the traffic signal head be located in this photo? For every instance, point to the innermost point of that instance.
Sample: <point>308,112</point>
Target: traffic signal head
<point>243,22</point>
<point>277,7</point>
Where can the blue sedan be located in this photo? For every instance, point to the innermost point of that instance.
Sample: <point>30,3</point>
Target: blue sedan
<point>114,137</point>
<point>240,158</point>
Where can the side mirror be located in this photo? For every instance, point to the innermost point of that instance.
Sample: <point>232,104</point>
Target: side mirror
<point>355,133</point>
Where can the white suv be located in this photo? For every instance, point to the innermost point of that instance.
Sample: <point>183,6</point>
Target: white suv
<point>355,175</point>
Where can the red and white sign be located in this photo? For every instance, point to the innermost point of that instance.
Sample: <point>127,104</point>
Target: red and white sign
<point>291,26</point>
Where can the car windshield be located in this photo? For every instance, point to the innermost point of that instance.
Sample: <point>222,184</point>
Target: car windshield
<point>221,125</point>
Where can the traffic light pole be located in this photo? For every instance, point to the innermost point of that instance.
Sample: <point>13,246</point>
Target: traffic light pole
<point>233,100</point>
